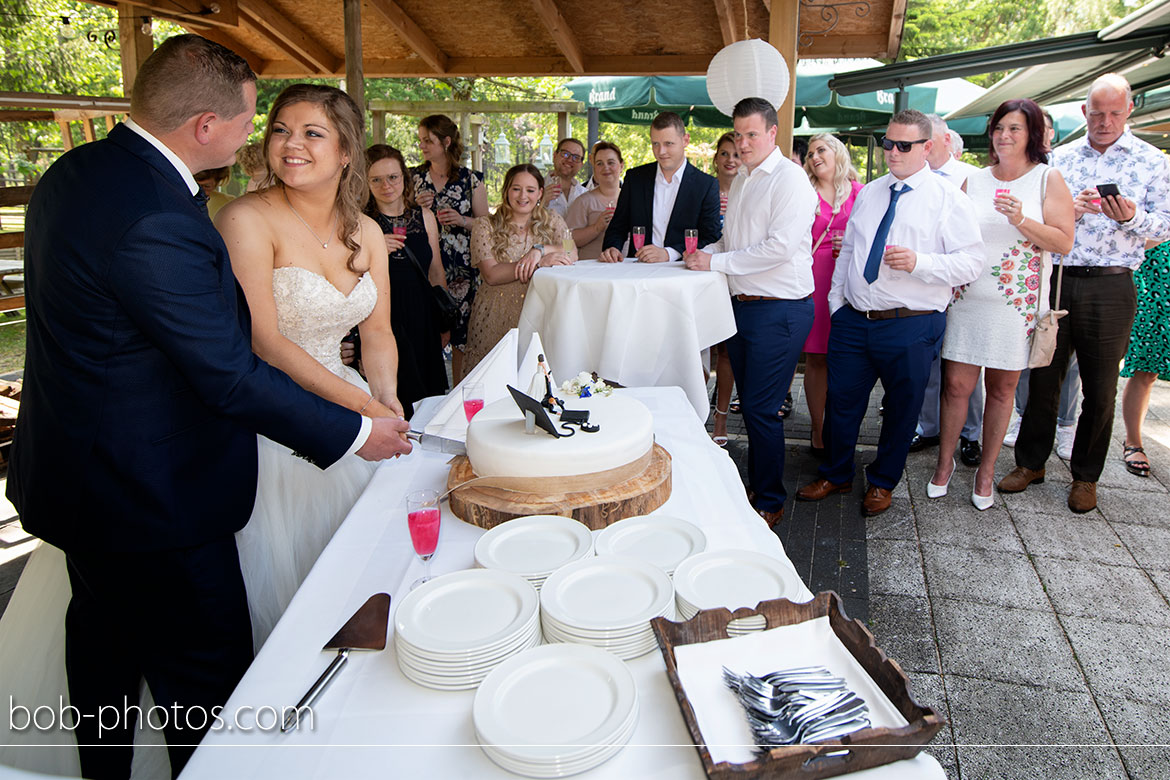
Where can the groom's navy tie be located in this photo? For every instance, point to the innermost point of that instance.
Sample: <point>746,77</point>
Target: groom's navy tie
<point>874,261</point>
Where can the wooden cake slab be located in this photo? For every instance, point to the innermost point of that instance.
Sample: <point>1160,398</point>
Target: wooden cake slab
<point>487,507</point>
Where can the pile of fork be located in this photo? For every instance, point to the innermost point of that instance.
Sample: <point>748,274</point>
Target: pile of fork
<point>796,706</point>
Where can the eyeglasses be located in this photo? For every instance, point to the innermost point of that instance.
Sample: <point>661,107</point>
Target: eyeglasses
<point>571,156</point>
<point>394,178</point>
<point>903,146</point>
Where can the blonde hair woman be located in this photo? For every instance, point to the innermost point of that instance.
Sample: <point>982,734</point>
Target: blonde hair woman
<point>831,172</point>
<point>507,247</point>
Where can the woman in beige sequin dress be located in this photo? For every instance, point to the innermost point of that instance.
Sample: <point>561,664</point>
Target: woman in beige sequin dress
<point>507,247</point>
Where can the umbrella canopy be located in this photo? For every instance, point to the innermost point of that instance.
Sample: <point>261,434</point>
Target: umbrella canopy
<point>638,99</point>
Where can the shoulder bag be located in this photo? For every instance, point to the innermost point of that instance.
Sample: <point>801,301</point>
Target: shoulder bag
<point>1043,344</point>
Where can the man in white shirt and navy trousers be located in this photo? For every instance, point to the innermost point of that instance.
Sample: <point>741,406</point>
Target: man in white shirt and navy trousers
<point>766,253</point>
<point>912,237</point>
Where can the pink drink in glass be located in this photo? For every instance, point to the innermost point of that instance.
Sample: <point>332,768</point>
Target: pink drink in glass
<point>691,241</point>
<point>424,531</point>
<point>399,230</point>
<point>472,407</point>
<point>639,238</point>
<point>472,399</point>
<point>1002,193</point>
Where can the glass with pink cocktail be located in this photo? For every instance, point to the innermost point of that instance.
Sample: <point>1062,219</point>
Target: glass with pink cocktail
<point>423,520</point>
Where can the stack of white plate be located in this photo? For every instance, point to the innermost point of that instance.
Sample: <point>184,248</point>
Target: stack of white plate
<point>450,632</point>
<point>661,540</point>
<point>556,710</point>
<point>732,579</point>
<point>606,602</point>
<point>534,546</point>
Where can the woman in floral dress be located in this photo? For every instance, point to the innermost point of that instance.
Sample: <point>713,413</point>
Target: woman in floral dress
<point>1025,212</point>
<point>1148,356</point>
<point>457,196</point>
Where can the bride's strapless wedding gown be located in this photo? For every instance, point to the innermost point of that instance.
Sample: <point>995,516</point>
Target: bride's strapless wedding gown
<point>298,508</point>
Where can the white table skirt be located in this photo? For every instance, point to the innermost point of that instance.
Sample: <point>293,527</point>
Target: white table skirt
<point>373,723</point>
<point>638,324</point>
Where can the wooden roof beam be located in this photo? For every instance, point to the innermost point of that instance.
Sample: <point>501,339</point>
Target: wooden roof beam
<point>561,33</point>
<point>726,24</point>
<point>216,13</point>
<point>414,67</point>
<point>255,61</point>
<point>294,41</point>
<point>897,24</point>
<point>411,34</point>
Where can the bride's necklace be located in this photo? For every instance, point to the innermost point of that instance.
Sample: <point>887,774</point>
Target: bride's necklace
<point>332,232</point>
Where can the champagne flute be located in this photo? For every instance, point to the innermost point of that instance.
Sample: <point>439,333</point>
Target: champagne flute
<point>568,245</point>
<point>639,238</point>
<point>691,239</point>
<point>423,520</point>
<point>472,399</point>
<point>398,226</point>
<point>836,237</point>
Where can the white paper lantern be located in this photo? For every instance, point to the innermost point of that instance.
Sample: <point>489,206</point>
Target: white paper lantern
<point>746,69</point>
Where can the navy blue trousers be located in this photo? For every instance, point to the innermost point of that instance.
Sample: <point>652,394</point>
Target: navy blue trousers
<point>861,351</point>
<point>763,352</point>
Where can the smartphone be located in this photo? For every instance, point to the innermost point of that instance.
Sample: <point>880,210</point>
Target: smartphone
<point>1108,189</point>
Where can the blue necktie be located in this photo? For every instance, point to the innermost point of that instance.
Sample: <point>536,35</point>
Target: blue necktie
<point>874,261</point>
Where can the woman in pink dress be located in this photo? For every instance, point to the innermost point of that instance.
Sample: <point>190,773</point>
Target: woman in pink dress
<point>832,174</point>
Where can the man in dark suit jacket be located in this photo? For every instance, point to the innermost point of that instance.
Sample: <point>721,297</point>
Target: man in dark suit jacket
<point>665,198</point>
<point>135,449</point>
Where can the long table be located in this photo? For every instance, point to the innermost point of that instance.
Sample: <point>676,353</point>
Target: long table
<point>374,723</point>
<point>638,324</point>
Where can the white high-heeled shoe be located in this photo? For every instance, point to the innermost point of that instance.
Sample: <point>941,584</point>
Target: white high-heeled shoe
<point>982,502</point>
<point>938,491</point>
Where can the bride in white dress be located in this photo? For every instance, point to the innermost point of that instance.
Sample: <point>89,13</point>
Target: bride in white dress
<point>311,266</point>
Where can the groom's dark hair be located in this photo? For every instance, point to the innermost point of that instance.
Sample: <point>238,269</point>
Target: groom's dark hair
<point>188,75</point>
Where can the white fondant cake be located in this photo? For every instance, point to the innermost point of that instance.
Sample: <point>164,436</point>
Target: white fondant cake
<point>497,445</point>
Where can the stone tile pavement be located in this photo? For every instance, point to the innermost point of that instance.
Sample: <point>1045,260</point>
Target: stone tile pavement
<point>1042,636</point>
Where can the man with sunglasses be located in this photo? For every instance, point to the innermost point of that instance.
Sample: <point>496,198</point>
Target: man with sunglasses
<point>912,237</point>
<point>562,185</point>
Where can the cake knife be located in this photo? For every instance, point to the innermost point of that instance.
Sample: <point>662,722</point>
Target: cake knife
<point>433,443</point>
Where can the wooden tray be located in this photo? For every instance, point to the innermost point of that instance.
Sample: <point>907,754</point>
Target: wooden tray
<point>825,759</point>
<point>487,507</point>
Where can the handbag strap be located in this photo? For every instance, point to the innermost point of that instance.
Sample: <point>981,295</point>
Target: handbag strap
<point>414,262</point>
<point>832,217</point>
<point>1059,273</point>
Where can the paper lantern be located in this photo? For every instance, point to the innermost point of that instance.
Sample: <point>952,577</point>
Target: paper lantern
<point>746,69</point>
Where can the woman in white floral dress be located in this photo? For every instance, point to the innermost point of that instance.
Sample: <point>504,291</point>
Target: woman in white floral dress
<point>1025,213</point>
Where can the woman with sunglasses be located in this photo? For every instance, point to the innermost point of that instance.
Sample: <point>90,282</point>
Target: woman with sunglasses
<point>1025,213</point>
<point>830,171</point>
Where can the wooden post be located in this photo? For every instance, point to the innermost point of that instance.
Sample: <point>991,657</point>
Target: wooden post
<point>463,118</point>
<point>66,134</point>
<point>134,46</point>
<point>355,82</point>
<point>783,28</point>
<point>111,120</point>
<point>472,142</point>
<point>564,129</point>
<point>377,127</point>
<point>87,130</point>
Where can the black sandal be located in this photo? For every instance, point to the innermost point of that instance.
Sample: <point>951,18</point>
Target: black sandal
<point>786,407</point>
<point>1141,469</point>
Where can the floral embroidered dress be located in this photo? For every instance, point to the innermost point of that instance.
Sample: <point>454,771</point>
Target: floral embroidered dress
<point>990,321</point>
<point>454,241</point>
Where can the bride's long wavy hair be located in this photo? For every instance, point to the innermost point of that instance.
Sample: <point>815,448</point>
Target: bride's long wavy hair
<point>539,228</point>
<point>347,119</point>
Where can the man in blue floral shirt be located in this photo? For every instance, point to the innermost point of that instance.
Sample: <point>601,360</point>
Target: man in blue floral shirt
<point>1098,289</point>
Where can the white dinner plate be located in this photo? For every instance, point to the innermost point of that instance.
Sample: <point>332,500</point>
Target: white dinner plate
<point>534,546</point>
<point>495,649</point>
<point>606,594</point>
<point>555,703</point>
<point>733,579</point>
<point>465,667</point>
<point>466,611</point>
<point>661,540</point>
<point>595,758</point>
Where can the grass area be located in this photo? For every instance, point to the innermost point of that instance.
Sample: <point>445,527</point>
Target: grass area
<point>11,341</point>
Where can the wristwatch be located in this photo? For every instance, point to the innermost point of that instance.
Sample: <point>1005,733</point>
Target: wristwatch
<point>540,247</point>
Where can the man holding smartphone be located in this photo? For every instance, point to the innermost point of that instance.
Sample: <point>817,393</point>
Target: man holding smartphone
<point>1123,188</point>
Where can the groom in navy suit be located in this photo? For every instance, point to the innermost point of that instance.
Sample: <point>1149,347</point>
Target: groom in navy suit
<point>135,449</point>
<point>666,198</point>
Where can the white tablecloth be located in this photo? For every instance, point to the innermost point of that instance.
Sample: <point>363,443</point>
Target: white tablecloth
<point>374,723</point>
<point>639,324</point>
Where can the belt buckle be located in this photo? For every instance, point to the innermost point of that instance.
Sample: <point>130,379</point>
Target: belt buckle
<point>867,313</point>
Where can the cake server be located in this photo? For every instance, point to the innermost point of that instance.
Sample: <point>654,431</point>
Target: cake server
<point>433,443</point>
<point>366,630</point>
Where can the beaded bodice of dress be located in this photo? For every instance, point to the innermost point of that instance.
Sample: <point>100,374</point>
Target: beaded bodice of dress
<point>315,315</point>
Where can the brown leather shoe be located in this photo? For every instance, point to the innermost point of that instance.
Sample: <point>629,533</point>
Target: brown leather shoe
<point>876,501</point>
<point>1082,496</point>
<point>773,519</point>
<point>1019,478</point>
<point>820,488</point>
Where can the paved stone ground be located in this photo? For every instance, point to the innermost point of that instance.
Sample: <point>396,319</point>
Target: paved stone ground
<point>1042,636</point>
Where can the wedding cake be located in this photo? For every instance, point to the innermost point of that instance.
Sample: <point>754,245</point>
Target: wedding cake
<point>499,446</point>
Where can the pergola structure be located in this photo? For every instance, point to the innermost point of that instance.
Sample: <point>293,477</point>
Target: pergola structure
<point>442,38</point>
